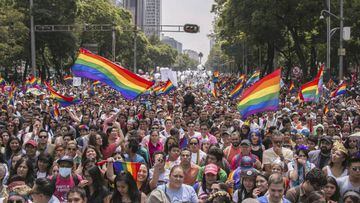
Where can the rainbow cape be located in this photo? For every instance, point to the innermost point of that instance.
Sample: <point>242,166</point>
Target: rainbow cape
<point>131,167</point>
<point>64,101</point>
<point>339,90</point>
<point>92,66</point>
<point>309,91</point>
<point>168,87</point>
<point>262,96</point>
<point>238,88</point>
<point>254,78</point>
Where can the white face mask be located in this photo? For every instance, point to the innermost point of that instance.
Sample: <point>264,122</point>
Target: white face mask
<point>64,172</point>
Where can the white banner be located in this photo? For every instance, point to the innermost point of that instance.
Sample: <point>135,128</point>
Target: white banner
<point>76,81</point>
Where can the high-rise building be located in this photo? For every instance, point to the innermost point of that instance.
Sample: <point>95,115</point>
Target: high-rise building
<point>172,42</point>
<point>192,54</point>
<point>152,17</point>
<point>131,5</point>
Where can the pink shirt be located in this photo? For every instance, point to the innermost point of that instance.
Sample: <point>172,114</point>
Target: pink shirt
<point>63,186</point>
<point>212,138</point>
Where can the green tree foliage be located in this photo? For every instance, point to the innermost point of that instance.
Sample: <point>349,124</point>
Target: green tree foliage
<point>289,32</point>
<point>184,62</point>
<point>58,50</point>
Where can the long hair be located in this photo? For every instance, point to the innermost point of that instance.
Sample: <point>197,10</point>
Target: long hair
<point>258,134</point>
<point>336,195</point>
<point>134,193</point>
<point>30,176</point>
<point>98,181</point>
<point>98,155</point>
<point>8,151</point>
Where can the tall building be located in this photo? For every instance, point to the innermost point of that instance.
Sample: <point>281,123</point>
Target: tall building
<point>131,5</point>
<point>192,54</point>
<point>173,43</point>
<point>152,17</point>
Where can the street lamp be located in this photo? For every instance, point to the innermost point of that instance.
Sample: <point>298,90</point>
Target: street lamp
<point>341,51</point>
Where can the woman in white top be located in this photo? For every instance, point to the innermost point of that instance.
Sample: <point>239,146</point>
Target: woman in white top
<point>337,165</point>
<point>175,190</point>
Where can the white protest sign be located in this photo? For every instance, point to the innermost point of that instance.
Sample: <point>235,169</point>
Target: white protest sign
<point>76,81</point>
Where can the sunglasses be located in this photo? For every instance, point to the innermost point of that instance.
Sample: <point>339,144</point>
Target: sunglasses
<point>193,143</point>
<point>355,168</point>
<point>71,149</point>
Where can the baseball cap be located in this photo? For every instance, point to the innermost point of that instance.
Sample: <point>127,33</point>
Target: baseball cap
<point>68,159</point>
<point>31,142</point>
<point>250,173</point>
<point>245,142</point>
<point>211,168</point>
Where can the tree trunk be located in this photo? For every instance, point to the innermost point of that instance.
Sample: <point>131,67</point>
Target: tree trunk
<point>313,65</point>
<point>298,50</point>
<point>269,65</point>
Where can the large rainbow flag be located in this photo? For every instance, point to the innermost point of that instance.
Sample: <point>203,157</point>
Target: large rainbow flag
<point>64,101</point>
<point>262,96</point>
<point>92,66</point>
<point>131,167</point>
<point>238,88</point>
<point>339,90</point>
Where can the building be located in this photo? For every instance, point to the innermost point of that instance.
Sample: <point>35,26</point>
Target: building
<point>172,42</point>
<point>152,17</point>
<point>131,5</point>
<point>192,54</point>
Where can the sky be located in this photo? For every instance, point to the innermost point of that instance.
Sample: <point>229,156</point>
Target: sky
<point>180,12</point>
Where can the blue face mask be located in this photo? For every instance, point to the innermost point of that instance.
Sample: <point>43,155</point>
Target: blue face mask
<point>64,172</point>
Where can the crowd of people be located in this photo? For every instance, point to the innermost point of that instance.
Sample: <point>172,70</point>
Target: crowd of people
<point>192,147</point>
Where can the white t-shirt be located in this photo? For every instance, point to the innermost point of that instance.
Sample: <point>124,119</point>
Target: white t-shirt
<point>346,185</point>
<point>186,193</point>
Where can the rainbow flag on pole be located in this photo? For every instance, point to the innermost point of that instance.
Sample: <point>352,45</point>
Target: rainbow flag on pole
<point>254,78</point>
<point>92,66</point>
<point>131,167</point>
<point>309,91</point>
<point>64,101</point>
<point>339,90</point>
<point>238,88</point>
<point>262,96</point>
<point>168,87</point>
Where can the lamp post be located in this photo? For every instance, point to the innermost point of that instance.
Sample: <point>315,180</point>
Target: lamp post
<point>341,51</point>
<point>32,39</point>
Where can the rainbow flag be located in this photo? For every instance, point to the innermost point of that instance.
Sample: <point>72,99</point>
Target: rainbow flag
<point>320,75</point>
<point>168,87</point>
<point>31,80</point>
<point>213,90</point>
<point>68,78</point>
<point>131,167</point>
<point>64,101</point>
<point>56,111</point>
<point>339,90</point>
<point>309,91</point>
<point>292,86</point>
<point>96,82</point>
<point>254,78</point>
<point>2,81</point>
<point>92,66</point>
<point>262,96</point>
<point>216,76</point>
<point>238,88</point>
<point>326,109</point>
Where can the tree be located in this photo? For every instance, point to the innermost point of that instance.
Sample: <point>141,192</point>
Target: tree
<point>184,62</point>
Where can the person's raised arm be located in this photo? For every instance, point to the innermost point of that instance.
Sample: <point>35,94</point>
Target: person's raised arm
<point>110,175</point>
<point>72,115</point>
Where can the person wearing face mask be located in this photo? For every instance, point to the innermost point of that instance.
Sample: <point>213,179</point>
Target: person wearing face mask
<point>321,157</point>
<point>65,180</point>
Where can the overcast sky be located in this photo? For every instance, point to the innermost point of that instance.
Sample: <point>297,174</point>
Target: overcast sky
<point>179,12</point>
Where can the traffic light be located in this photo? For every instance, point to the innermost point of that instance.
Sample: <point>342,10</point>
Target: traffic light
<point>191,28</point>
